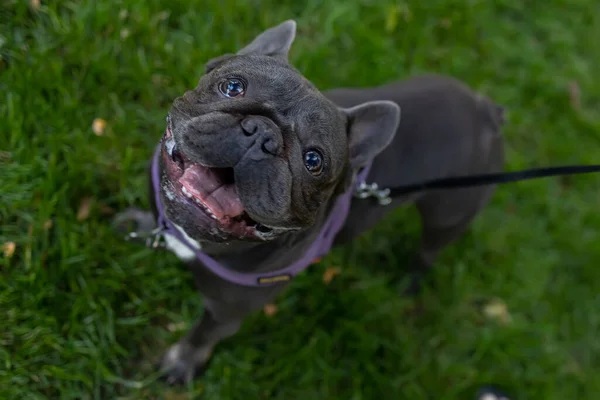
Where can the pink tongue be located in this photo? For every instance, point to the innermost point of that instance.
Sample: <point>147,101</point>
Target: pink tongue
<point>206,186</point>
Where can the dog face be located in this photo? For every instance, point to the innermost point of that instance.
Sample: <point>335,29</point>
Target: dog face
<point>255,150</point>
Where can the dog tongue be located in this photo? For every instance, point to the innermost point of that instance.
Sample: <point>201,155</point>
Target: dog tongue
<point>205,185</point>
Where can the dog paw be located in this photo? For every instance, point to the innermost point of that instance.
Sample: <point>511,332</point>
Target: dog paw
<point>181,364</point>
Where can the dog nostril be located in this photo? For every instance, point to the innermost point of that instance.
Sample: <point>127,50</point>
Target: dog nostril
<point>250,127</point>
<point>270,147</point>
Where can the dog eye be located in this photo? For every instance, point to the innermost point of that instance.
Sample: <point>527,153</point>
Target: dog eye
<point>313,161</point>
<point>232,87</point>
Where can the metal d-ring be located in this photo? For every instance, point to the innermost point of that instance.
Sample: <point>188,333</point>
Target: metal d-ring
<point>365,190</point>
<point>152,239</point>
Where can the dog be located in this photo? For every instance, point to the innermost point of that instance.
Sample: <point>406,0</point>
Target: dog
<point>257,168</point>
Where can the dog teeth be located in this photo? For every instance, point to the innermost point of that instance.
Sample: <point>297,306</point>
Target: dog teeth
<point>186,193</point>
<point>213,216</point>
<point>199,202</point>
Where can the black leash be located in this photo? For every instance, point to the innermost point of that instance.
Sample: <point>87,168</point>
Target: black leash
<point>384,196</point>
<point>494,178</point>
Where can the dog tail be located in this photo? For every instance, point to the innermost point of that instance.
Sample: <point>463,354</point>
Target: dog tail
<point>494,113</point>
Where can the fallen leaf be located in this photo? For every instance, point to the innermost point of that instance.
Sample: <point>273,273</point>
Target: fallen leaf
<point>98,126</point>
<point>9,249</point>
<point>161,16</point>
<point>35,4</point>
<point>446,23</point>
<point>157,79</point>
<point>330,273</point>
<point>172,395</point>
<point>84,209</point>
<point>391,19</point>
<point>176,326</point>
<point>5,156</point>
<point>497,310</point>
<point>48,224</point>
<point>575,95</point>
<point>270,310</point>
<point>572,367</point>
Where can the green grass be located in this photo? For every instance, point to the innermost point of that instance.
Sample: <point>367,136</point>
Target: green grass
<point>84,314</point>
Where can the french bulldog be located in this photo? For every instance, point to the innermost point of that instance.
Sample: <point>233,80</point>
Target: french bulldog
<point>254,158</point>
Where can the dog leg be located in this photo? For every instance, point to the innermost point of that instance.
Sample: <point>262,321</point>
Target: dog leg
<point>187,358</point>
<point>444,217</point>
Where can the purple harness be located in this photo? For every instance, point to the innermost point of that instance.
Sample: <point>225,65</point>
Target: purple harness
<point>335,220</point>
<point>318,249</point>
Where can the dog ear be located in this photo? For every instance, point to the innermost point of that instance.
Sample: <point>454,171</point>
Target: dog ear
<point>371,128</point>
<point>275,41</point>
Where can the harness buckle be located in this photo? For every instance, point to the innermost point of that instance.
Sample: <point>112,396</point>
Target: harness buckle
<point>365,190</point>
<point>152,239</point>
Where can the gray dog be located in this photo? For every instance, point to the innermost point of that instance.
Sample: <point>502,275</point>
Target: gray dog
<point>259,173</point>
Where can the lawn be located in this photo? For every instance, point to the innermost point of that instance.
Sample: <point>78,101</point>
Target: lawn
<point>85,314</point>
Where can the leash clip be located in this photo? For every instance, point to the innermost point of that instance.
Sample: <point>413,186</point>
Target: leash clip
<point>153,239</point>
<point>365,190</point>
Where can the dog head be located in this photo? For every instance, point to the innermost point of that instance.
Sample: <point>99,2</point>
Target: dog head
<point>256,150</point>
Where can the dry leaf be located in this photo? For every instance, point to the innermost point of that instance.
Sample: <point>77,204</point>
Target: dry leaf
<point>178,326</point>
<point>446,23</point>
<point>9,249</point>
<point>391,19</point>
<point>98,126</point>
<point>572,367</point>
<point>497,310</point>
<point>48,224</point>
<point>270,310</point>
<point>575,95</point>
<point>161,16</point>
<point>172,395</point>
<point>5,156</point>
<point>35,4</point>
<point>84,209</point>
<point>160,80</point>
<point>330,273</point>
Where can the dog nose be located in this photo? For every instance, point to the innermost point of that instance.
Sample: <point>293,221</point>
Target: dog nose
<point>257,126</point>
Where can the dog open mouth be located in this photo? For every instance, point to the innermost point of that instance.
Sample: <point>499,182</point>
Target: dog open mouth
<point>212,191</point>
